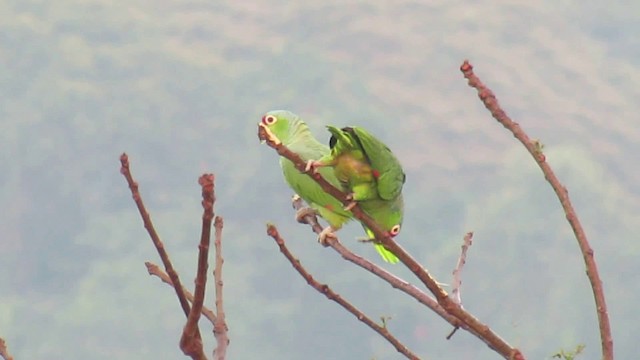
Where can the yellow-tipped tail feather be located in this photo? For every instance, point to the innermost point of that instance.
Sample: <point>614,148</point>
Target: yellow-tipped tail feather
<point>387,255</point>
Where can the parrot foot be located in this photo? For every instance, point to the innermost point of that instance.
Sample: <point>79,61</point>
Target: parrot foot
<point>365,239</point>
<point>313,165</point>
<point>352,203</point>
<point>326,234</point>
<point>303,213</point>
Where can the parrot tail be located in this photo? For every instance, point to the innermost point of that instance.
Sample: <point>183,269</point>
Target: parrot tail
<point>387,255</point>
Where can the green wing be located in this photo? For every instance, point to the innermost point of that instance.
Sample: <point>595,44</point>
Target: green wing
<point>386,167</point>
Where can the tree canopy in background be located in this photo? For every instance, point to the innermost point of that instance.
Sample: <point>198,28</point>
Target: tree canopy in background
<point>180,87</point>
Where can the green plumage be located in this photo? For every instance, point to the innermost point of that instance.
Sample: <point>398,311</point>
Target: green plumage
<point>372,174</point>
<point>296,136</point>
<point>364,164</point>
<point>361,165</point>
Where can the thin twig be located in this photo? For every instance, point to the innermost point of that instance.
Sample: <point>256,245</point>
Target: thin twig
<point>191,344</point>
<point>4,352</point>
<point>495,341</point>
<point>331,295</point>
<point>535,149</point>
<point>146,219</point>
<point>457,280</point>
<point>220,328</point>
<point>154,269</point>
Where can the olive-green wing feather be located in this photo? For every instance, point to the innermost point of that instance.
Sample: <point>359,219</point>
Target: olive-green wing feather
<point>386,167</point>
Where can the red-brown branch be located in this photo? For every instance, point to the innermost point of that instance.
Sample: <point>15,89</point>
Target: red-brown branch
<point>155,238</point>
<point>491,103</point>
<point>495,341</point>
<point>155,270</point>
<point>331,295</point>
<point>4,352</point>
<point>190,343</point>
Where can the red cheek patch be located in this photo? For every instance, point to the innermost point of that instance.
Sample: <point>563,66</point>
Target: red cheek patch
<point>376,173</point>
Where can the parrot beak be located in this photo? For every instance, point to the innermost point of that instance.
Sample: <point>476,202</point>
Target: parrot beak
<point>265,134</point>
<point>261,134</point>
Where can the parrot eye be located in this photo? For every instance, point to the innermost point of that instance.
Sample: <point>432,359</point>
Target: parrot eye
<point>394,230</point>
<point>269,119</point>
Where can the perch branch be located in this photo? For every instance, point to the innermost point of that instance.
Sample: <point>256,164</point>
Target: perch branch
<point>495,341</point>
<point>331,295</point>
<point>191,344</point>
<point>220,329</point>
<point>148,225</point>
<point>4,352</point>
<point>490,101</point>
<point>154,269</point>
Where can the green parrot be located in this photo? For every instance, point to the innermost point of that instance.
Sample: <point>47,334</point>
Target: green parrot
<point>372,175</point>
<point>296,136</point>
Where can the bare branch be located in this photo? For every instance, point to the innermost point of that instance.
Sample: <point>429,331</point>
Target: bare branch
<point>220,329</point>
<point>457,281</point>
<point>154,269</point>
<point>491,103</point>
<point>191,344</point>
<point>331,295</point>
<point>148,224</point>
<point>495,341</point>
<point>4,352</point>
<point>393,280</point>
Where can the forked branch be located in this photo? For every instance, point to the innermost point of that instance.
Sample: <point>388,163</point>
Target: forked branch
<point>191,340</point>
<point>155,270</point>
<point>393,280</point>
<point>155,238</point>
<point>331,295</point>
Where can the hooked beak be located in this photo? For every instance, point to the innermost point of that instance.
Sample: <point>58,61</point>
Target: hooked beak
<point>261,134</point>
<point>265,134</point>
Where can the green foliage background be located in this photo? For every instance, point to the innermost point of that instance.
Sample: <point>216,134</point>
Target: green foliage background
<point>180,86</point>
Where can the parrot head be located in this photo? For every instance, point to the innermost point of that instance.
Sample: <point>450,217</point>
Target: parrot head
<point>388,214</point>
<point>280,123</point>
<point>392,223</point>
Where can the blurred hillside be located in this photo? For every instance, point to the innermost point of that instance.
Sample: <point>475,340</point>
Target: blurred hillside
<point>181,85</point>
